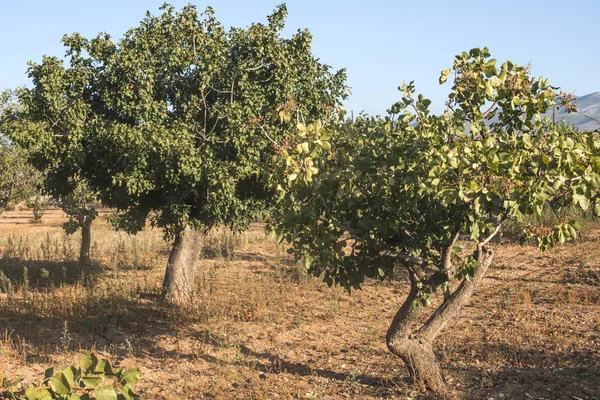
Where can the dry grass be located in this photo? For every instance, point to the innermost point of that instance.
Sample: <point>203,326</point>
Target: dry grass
<point>259,327</point>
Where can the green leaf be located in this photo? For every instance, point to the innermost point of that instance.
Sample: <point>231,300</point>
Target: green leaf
<point>105,393</point>
<point>91,381</point>
<point>43,395</point>
<point>597,210</point>
<point>70,374</point>
<point>132,376</point>
<point>584,202</point>
<point>49,373</point>
<point>489,91</point>
<point>444,76</point>
<point>495,81</point>
<point>88,362</point>
<point>30,393</point>
<point>60,384</point>
<point>595,181</point>
<point>103,367</point>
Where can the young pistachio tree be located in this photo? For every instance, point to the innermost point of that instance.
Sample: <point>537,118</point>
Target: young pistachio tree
<point>174,122</point>
<point>359,200</point>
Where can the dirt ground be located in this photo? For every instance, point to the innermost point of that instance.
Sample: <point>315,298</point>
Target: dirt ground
<point>260,328</point>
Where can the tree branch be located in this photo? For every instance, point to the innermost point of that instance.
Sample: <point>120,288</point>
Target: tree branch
<point>487,240</point>
<point>489,111</point>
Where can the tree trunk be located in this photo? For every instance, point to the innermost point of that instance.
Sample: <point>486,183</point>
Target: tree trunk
<point>86,242</point>
<point>85,223</point>
<point>180,275</point>
<point>415,346</point>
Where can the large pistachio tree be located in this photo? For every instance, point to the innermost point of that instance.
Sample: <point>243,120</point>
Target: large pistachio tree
<point>175,120</point>
<point>361,200</point>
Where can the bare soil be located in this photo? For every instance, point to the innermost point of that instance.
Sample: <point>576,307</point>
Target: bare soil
<point>259,327</point>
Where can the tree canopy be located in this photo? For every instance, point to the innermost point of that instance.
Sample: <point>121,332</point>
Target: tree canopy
<point>175,121</point>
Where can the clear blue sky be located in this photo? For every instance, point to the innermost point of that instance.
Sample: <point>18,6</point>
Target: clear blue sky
<point>380,43</point>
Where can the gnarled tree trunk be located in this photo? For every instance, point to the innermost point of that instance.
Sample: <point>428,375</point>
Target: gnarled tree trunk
<point>415,345</point>
<point>180,275</point>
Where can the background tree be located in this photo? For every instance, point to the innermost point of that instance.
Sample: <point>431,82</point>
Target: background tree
<point>18,179</point>
<point>49,120</point>
<point>38,204</point>
<point>359,200</point>
<point>173,122</point>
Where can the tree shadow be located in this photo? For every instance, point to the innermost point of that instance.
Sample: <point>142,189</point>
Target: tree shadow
<point>534,374</point>
<point>269,363</point>
<point>41,274</point>
<point>113,325</point>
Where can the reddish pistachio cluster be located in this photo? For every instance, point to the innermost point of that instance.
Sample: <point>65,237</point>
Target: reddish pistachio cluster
<point>290,106</point>
<point>254,122</point>
<point>284,146</point>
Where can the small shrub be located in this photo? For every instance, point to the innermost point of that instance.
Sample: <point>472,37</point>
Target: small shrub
<point>94,379</point>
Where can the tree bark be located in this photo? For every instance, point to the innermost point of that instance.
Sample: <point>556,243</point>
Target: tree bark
<point>415,346</point>
<point>86,242</point>
<point>178,285</point>
<point>85,223</point>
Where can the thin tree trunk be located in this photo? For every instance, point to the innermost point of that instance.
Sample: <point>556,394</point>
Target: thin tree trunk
<point>180,275</point>
<point>415,346</point>
<point>86,240</point>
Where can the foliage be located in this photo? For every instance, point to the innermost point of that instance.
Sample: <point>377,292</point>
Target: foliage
<point>18,179</point>
<point>173,121</point>
<point>358,199</point>
<point>92,379</point>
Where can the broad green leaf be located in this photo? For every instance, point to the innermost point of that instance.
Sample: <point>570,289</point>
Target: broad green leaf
<point>132,376</point>
<point>91,381</point>
<point>60,384</point>
<point>105,393</point>
<point>88,362</point>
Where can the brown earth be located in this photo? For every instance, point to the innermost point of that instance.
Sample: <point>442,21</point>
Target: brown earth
<point>259,327</point>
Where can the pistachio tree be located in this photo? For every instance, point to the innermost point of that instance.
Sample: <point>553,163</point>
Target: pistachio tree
<point>172,123</point>
<point>427,193</point>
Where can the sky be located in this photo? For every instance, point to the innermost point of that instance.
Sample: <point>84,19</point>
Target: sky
<point>380,43</point>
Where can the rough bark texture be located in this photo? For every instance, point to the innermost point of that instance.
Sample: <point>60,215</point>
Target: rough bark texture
<point>180,275</point>
<point>415,346</point>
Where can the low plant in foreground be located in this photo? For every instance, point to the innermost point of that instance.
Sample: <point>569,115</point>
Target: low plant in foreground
<point>93,379</point>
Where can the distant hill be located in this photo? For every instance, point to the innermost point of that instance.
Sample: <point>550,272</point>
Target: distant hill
<point>588,107</point>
